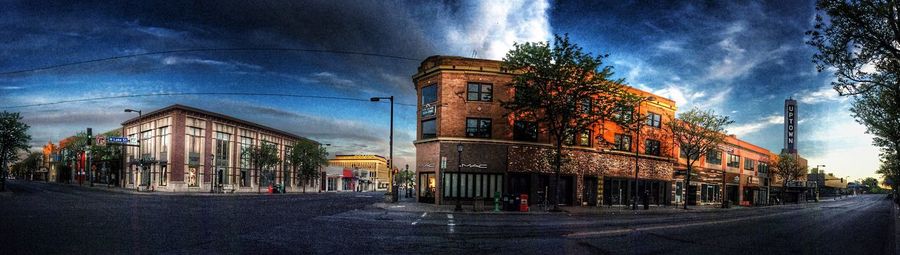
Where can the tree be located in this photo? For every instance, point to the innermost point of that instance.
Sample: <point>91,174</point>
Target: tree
<point>13,137</point>
<point>696,133</point>
<point>788,169</point>
<point>562,89</point>
<point>858,41</point>
<point>889,170</point>
<point>629,117</point>
<point>263,158</point>
<point>307,157</point>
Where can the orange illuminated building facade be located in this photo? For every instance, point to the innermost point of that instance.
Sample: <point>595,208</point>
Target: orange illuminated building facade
<point>459,104</point>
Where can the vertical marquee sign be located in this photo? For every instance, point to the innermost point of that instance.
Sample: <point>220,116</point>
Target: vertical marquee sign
<point>790,125</point>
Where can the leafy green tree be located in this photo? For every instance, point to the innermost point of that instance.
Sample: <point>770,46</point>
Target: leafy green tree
<point>697,132</point>
<point>13,137</point>
<point>788,169</point>
<point>263,159</point>
<point>562,89</point>
<point>308,157</point>
<point>858,41</point>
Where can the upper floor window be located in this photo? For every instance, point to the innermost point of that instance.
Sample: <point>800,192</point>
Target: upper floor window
<point>429,94</point>
<point>584,139</point>
<point>480,92</point>
<point>428,129</point>
<point>654,120</point>
<point>763,167</point>
<point>684,154</point>
<point>623,142</point>
<point>651,147</point>
<point>476,127</point>
<point>586,105</point>
<point>748,164</point>
<point>623,113</point>
<point>714,157</point>
<point>734,160</point>
<point>525,131</point>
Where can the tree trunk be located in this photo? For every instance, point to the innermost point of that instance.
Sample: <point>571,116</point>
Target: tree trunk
<point>558,162</point>
<point>687,185</point>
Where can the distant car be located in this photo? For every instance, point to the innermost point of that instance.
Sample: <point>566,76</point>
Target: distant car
<point>11,177</point>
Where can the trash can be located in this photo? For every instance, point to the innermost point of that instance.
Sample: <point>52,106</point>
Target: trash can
<point>523,203</point>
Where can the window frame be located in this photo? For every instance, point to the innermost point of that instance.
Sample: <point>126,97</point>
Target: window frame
<point>422,127</point>
<point>584,137</point>
<point>654,120</point>
<point>430,86</point>
<point>618,139</point>
<point>656,148</point>
<point>737,163</point>
<point>478,128</point>
<point>479,92</point>
<point>522,134</point>
<point>718,153</point>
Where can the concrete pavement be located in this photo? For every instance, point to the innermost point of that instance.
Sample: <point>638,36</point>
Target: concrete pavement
<point>56,219</point>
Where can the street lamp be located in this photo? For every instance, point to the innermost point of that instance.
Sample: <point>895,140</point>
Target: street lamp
<point>819,174</point>
<point>212,181</point>
<point>141,158</point>
<point>322,185</point>
<point>459,149</point>
<point>391,149</point>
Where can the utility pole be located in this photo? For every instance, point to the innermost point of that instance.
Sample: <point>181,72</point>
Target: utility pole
<point>90,142</point>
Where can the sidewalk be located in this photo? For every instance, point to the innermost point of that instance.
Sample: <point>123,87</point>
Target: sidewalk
<point>409,205</point>
<point>105,188</point>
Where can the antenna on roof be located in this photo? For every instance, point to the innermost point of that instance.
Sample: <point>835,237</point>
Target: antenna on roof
<point>474,53</point>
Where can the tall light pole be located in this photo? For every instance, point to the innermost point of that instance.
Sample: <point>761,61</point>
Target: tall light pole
<point>141,157</point>
<point>459,150</point>
<point>391,165</point>
<point>322,185</point>
<point>212,181</point>
<point>819,173</point>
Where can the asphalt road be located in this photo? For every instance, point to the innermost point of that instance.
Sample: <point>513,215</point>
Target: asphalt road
<point>51,219</point>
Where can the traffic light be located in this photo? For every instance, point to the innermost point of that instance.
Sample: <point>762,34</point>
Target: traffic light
<point>90,137</point>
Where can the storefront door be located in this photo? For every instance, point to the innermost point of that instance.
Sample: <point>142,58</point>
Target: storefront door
<point>590,191</point>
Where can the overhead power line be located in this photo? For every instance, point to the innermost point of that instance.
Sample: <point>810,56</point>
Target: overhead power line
<point>205,50</point>
<point>194,94</point>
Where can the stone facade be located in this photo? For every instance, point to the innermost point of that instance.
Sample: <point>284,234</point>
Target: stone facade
<point>185,148</point>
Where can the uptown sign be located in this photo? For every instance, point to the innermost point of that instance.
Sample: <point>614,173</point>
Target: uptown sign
<point>790,122</point>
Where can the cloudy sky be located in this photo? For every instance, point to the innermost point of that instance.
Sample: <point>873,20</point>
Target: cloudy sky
<point>741,59</point>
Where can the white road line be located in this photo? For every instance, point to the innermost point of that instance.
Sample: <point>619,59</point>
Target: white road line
<point>449,216</point>
<point>424,214</point>
<point>627,230</point>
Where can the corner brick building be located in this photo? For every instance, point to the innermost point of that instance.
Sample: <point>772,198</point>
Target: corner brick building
<point>459,103</point>
<point>185,149</point>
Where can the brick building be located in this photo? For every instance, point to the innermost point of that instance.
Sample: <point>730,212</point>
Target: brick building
<point>459,103</point>
<point>746,175</point>
<point>374,165</point>
<point>186,149</point>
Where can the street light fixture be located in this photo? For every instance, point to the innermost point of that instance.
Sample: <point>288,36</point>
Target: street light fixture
<point>819,174</point>
<point>459,150</point>
<point>393,182</point>
<point>141,158</point>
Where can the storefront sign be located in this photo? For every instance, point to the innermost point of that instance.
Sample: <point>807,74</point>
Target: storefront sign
<point>426,165</point>
<point>482,166</point>
<point>790,120</point>
<point>428,110</point>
